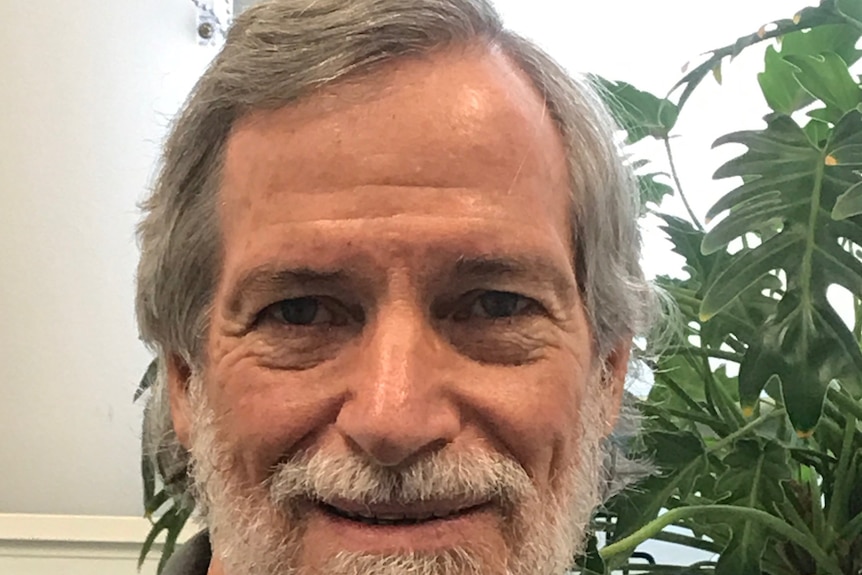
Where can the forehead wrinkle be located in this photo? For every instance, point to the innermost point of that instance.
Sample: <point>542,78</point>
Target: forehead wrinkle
<point>491,120</point>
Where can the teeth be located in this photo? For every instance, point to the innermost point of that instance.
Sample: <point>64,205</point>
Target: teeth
<point>393,518</point>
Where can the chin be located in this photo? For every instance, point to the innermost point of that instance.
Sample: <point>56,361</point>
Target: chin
<point>468,541</point>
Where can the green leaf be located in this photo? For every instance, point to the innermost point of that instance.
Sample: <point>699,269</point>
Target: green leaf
<point>591,563</point>
<point>781,149</point>
<point>651,190</point>
<point>750,190</point>
<point>748,216</point>
<point>639,113</point>
<point>745,271</point>
<point>852,10</point>
<point>162,524</point>
<point>755,371</point>
<point>840,38</point>
<point>849,203</point>
<point>778,82</point>
<point>813,354</point>
<point>779,86</point>
<point>686,241</point>
<point>147,380</point>
<point>173,533</point>
<point>827,78</point>
<point>839,504</point>
<point>681,461</point>
<point>716,73</point>
<point>845,144</point>
<point>148,474</point>
<point>153,504</point>
<point>817,29</point>
<point>743,555</point>
<point>802,342</point>
<point>844,353</point>
<point>755,472</point>
<point>817,132</point>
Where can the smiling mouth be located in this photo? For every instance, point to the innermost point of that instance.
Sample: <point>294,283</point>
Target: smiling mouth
<point>405,518</point>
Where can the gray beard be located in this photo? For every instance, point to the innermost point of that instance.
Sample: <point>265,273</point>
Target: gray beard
<point>259,531</point>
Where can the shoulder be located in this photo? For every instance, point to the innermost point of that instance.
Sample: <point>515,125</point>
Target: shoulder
<point>193,558</point>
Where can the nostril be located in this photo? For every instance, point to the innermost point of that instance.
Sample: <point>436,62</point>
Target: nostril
<point>385,452</point>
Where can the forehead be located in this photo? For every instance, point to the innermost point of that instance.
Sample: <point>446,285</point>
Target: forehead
<point>463,118</point>
<point>422,163</point>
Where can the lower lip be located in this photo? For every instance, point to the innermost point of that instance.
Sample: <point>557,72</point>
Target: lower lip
<point>435,534</point>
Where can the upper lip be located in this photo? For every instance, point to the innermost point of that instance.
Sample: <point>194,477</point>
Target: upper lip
<point>402,511</point>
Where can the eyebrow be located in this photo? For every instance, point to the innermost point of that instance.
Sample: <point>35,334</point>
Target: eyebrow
<point>267,279</point>
<point>530,268</point>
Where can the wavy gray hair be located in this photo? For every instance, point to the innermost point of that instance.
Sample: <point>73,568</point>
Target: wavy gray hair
<point>281,51</point>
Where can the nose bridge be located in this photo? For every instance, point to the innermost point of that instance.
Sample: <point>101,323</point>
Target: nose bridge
<point>398,345</point>
<point>398,405</point>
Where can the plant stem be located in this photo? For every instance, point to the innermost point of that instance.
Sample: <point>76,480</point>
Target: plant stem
<point>719,54</point>
<point>771,522</point>
<point>845,403</point>
<point>676,388</point>
<point>726,405</point>
<point>806,272</point>
<point>852,529</point>
<point>857,319</point>
<point>717,425</point>
<point>842,488</point>
<point>721,444</point>
<point>688,541</point>
<point>635,568</point>
<point>676,181</point>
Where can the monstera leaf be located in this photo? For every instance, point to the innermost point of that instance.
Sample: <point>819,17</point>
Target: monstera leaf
<point>681,459</point>
<point>791,183</point>
<point>639,113</point>
<point>778,81</point>
<point>755,470</point>
<point>760,466</point>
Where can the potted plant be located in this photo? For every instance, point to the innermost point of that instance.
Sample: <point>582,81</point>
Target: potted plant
<point>753,420</point>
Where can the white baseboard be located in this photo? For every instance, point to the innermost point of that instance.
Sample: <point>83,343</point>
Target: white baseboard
<point>42,544</point>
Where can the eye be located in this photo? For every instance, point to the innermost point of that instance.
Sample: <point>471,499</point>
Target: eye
<point>496,305</point>
<point>304,311</point>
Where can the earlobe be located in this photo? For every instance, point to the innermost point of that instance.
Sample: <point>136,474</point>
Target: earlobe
<point>614,371</point>
<point>178,377</point>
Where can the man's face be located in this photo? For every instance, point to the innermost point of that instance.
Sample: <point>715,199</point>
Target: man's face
<point>399,372</point>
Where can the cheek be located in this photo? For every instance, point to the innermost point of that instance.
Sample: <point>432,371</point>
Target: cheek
<point>265,414</point>
<point>534,412</point>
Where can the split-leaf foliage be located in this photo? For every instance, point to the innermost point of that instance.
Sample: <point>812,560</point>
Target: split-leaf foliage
<point>761,469</point>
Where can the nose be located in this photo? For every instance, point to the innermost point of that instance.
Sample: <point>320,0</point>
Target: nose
<point>398,407</point>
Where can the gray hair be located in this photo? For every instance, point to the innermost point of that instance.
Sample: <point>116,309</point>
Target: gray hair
<point>282,51</point>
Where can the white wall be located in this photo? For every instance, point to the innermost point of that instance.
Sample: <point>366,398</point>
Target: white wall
<point>86,92</point>
<point>87,88</point>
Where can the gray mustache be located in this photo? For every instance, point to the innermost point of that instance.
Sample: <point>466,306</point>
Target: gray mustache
<point>475,476</point>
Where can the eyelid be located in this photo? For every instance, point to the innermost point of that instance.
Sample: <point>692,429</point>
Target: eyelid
<point>333,306</point>
<point>471,299</point>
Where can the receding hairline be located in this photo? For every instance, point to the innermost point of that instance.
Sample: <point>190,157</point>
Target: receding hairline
<point>367,84</point>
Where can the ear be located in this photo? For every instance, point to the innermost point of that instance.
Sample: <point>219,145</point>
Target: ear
<point>179,374</point>
<point>614,370</point>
